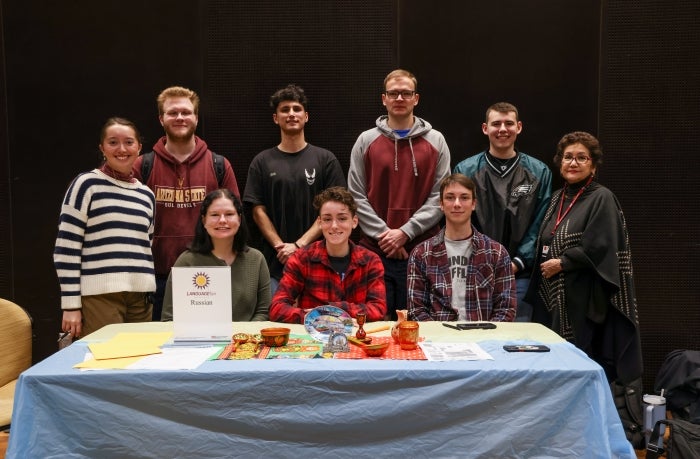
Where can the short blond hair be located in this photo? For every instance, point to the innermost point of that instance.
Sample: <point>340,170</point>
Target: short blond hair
<point>177,91</point>
<point>399,73</point>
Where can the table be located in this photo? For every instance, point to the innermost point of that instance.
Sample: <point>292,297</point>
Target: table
<point>554,404</point>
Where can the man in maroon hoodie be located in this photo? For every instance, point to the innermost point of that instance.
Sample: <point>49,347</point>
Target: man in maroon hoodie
<point>181,173</point>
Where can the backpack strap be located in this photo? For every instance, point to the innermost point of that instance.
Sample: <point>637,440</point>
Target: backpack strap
<point>146,166</point>
<point>219,167</point>
<point>148,158</point>
<point>655,447</point>
<point>683,439</point>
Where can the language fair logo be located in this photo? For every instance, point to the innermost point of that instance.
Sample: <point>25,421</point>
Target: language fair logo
<point>200,280</point>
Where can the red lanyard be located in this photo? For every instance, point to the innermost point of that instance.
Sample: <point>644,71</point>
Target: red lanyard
<point>561,217</point>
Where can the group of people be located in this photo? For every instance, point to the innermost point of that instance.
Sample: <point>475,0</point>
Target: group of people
<point>487,241</point>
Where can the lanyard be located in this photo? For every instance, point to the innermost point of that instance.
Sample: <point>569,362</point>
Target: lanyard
<point>561,217</point>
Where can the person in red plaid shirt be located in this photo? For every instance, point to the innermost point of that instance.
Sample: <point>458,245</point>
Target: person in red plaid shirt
<point>333,271</point>
<point>460,273</point>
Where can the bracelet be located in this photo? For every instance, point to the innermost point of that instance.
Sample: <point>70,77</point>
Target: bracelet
<point>296,244</point>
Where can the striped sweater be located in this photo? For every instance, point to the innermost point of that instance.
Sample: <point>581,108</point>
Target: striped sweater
<point>104,238</point>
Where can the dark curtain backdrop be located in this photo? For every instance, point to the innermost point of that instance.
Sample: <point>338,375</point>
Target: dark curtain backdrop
<point>6,277</point>
<point>649,112</point>
<point>626,71</point>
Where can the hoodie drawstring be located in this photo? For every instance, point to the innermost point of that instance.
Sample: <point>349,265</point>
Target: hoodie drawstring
<point>413,157</point>
<point>396,155</point>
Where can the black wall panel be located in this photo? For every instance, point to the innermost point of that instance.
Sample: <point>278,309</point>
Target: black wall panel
<point>6,269</point>
<point>71,65</point>
<point>541,55</point>
<point>649,112</point>
<point>339,52</point>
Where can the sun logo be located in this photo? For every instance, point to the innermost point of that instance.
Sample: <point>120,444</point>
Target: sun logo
<point>200,280</point>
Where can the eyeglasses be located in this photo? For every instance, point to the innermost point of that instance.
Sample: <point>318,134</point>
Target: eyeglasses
<point>217,217</point>
<point>405,95</point>
<point>579,159</point>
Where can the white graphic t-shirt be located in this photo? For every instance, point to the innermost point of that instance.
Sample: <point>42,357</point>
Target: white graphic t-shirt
<point>458,254</point>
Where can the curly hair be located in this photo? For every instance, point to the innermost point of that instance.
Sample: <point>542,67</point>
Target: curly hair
<point>336,194</point>
<point>584,138</point>
<point>291,92</point>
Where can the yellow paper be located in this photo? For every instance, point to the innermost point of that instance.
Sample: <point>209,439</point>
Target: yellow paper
<point>103,351</point>
<point>129,345</point>
<point>107,364</point>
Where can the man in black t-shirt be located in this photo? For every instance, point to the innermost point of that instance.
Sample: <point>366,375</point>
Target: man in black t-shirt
<point>283,181</point>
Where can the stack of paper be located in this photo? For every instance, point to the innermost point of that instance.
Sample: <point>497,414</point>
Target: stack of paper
<point>124,349</point>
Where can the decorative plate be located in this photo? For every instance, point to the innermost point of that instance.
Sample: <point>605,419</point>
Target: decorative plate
<point>321,321</point>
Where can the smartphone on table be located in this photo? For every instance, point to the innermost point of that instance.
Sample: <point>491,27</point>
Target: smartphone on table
<point>526,348</point>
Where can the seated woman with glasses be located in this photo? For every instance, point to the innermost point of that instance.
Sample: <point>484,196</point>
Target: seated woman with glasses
<point>584,289</point>
<point>220,236</point>
<point>333,271</point>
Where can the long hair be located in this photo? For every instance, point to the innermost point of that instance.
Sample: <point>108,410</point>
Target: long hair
<point>201,243</point>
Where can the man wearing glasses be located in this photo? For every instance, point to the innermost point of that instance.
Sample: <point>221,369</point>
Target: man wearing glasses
<point>181,171</point>
<point>395,173</point>
<point>514,190</point>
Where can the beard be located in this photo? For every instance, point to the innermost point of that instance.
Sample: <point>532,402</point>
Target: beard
<point>180,135</point>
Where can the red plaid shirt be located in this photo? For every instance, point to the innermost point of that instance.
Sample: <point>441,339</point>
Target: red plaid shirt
<point>310,281</point>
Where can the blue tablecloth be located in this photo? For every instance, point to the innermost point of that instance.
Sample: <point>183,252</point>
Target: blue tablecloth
<point>554,404</point>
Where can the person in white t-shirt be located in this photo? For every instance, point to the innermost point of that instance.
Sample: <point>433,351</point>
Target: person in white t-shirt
<point>460,273</point>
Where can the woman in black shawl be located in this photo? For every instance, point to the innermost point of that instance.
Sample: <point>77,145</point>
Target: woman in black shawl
<point>584,288</point>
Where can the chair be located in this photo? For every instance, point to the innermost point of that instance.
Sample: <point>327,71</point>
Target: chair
<point>15,354</point>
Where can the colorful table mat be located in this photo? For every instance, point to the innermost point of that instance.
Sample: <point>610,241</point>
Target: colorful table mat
<point>298,347</point>
<point>305,347</point>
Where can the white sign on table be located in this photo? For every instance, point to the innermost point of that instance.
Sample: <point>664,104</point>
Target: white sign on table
<point>201,304</point>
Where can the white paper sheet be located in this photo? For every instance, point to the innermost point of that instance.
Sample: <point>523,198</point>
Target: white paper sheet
<point>176,358</point>
<point>454,351</point>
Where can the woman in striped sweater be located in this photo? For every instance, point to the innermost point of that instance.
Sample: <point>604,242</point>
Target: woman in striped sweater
<point>103,248</point>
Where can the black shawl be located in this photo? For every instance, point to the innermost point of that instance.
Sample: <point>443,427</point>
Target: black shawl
<point>592,302</point>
